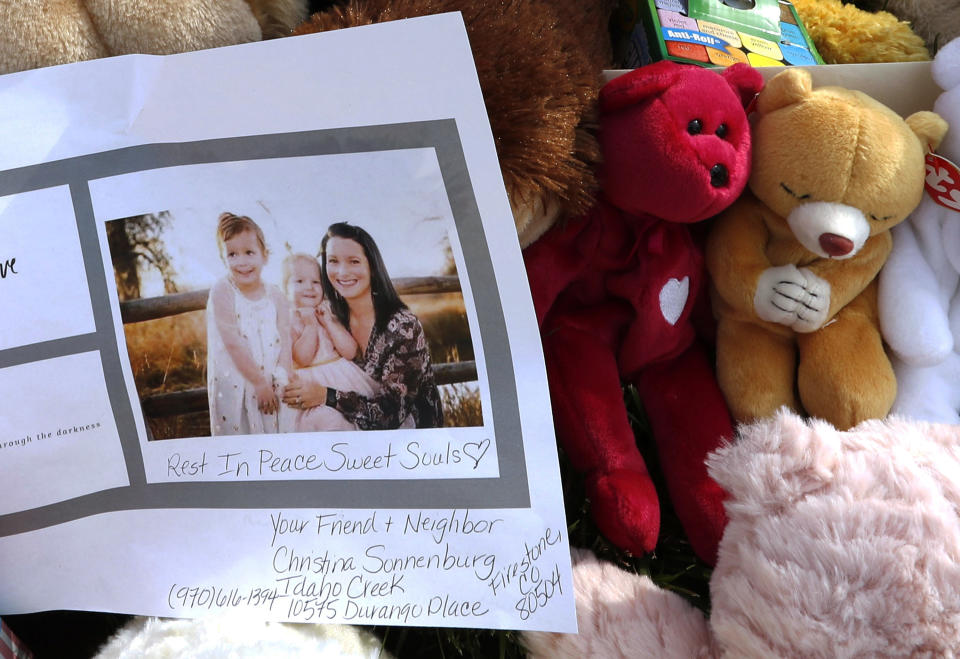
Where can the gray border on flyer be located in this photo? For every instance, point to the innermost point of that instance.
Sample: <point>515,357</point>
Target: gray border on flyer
<point>509,490</point>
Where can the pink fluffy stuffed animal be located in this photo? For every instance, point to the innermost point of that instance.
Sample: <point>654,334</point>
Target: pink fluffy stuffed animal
<point>839,544</point>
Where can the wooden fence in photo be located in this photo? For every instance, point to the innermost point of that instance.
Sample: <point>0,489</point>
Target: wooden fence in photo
<point>195,400</point>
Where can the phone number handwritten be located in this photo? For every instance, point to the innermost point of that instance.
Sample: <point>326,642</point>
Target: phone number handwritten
<point>217,597</point>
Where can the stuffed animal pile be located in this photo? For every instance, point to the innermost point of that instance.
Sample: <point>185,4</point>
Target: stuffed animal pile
<point>43,33</point>
<point>614,291</point>
<point>920,285</point>
<point>793,262</point>
<point>539,63</point>
<point>839,544</point>
<point>836,542</point>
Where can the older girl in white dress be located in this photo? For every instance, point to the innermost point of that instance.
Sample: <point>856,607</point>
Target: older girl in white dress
<point>248,335</point>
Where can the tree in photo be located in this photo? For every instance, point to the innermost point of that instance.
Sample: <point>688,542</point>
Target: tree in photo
<point>136,246</point>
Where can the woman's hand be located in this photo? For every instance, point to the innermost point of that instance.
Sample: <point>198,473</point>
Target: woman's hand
<point>267,401</point>
<point>304,394</point>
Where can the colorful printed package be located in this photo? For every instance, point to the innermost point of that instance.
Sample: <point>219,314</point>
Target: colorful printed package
<point>717,33</point>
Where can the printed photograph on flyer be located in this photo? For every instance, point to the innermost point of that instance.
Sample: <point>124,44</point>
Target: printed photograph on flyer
<point>298,318</point>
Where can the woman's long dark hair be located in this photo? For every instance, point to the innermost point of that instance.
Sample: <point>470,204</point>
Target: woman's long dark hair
<point>386,301</point>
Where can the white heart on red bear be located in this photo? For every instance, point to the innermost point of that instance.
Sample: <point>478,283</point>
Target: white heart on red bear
<point>673,298</point>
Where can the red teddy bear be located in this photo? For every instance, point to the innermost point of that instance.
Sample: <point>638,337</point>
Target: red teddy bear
<point>614,291</point>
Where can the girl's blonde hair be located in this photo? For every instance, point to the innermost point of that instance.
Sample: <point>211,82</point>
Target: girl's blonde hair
<point>288,265</point>
<point>230,225</point>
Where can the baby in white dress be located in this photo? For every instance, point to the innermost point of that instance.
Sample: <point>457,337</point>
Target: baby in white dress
<point>322,348</point>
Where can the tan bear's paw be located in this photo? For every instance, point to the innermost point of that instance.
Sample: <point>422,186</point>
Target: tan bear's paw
<point>792,296</point>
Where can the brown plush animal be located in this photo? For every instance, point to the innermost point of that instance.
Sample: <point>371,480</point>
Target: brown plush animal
<point>936,21</point>
<point>793,262</point>
<point>539,63</point>
<point>46,32</point>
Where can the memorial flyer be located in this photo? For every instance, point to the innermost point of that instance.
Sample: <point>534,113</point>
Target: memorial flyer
<point>267,344</point>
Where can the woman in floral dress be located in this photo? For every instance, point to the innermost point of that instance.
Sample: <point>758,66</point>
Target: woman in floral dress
<point>394,348</point>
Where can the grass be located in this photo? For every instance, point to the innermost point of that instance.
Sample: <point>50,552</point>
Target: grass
<point>673,565</point>
<point>444,320</point>
<point>461,405</point>
<point>168,354</point>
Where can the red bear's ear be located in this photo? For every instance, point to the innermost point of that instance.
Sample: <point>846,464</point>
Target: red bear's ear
<point>638,85</point>
<point>745,80</point>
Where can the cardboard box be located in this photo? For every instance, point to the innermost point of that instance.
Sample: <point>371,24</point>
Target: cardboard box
<point>905,87</point>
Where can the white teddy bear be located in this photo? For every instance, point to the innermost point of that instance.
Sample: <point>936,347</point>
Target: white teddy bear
<point>919,289</point>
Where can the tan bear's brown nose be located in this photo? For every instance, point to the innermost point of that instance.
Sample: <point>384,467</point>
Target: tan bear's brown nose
<point>835,245</point>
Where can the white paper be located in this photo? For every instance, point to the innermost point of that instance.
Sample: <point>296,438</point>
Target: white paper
<point>133,509</point>
<point>40,254</point>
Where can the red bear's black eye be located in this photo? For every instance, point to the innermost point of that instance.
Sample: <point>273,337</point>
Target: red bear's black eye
<point>695,127</point>
<point>722,131</point>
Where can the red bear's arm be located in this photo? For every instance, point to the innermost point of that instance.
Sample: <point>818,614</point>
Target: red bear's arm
<point>736,254</point>
<point>558,258</point>
<point>849,277</point>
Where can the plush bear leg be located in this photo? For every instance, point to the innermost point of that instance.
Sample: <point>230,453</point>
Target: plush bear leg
<point>755,369</point>
<point>592,426</point>
<point>689,419</point>
<point>844,375</point>
<point>929,393</point>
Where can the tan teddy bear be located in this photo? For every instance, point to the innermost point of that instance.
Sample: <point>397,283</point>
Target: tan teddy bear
<point>46,32</point>
<point>793,264</point>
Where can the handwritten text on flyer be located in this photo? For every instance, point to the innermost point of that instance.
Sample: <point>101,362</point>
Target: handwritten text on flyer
<point>384,583</point>
<point>339,458</point>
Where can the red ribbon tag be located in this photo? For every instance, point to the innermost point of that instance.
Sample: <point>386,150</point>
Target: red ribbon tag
<point>943,182</point>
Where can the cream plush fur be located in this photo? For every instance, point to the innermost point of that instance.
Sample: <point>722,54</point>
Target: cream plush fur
<point>919,290</point>
<point>839,544</point>
<point>239,638</point>
<point>45,32</point>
